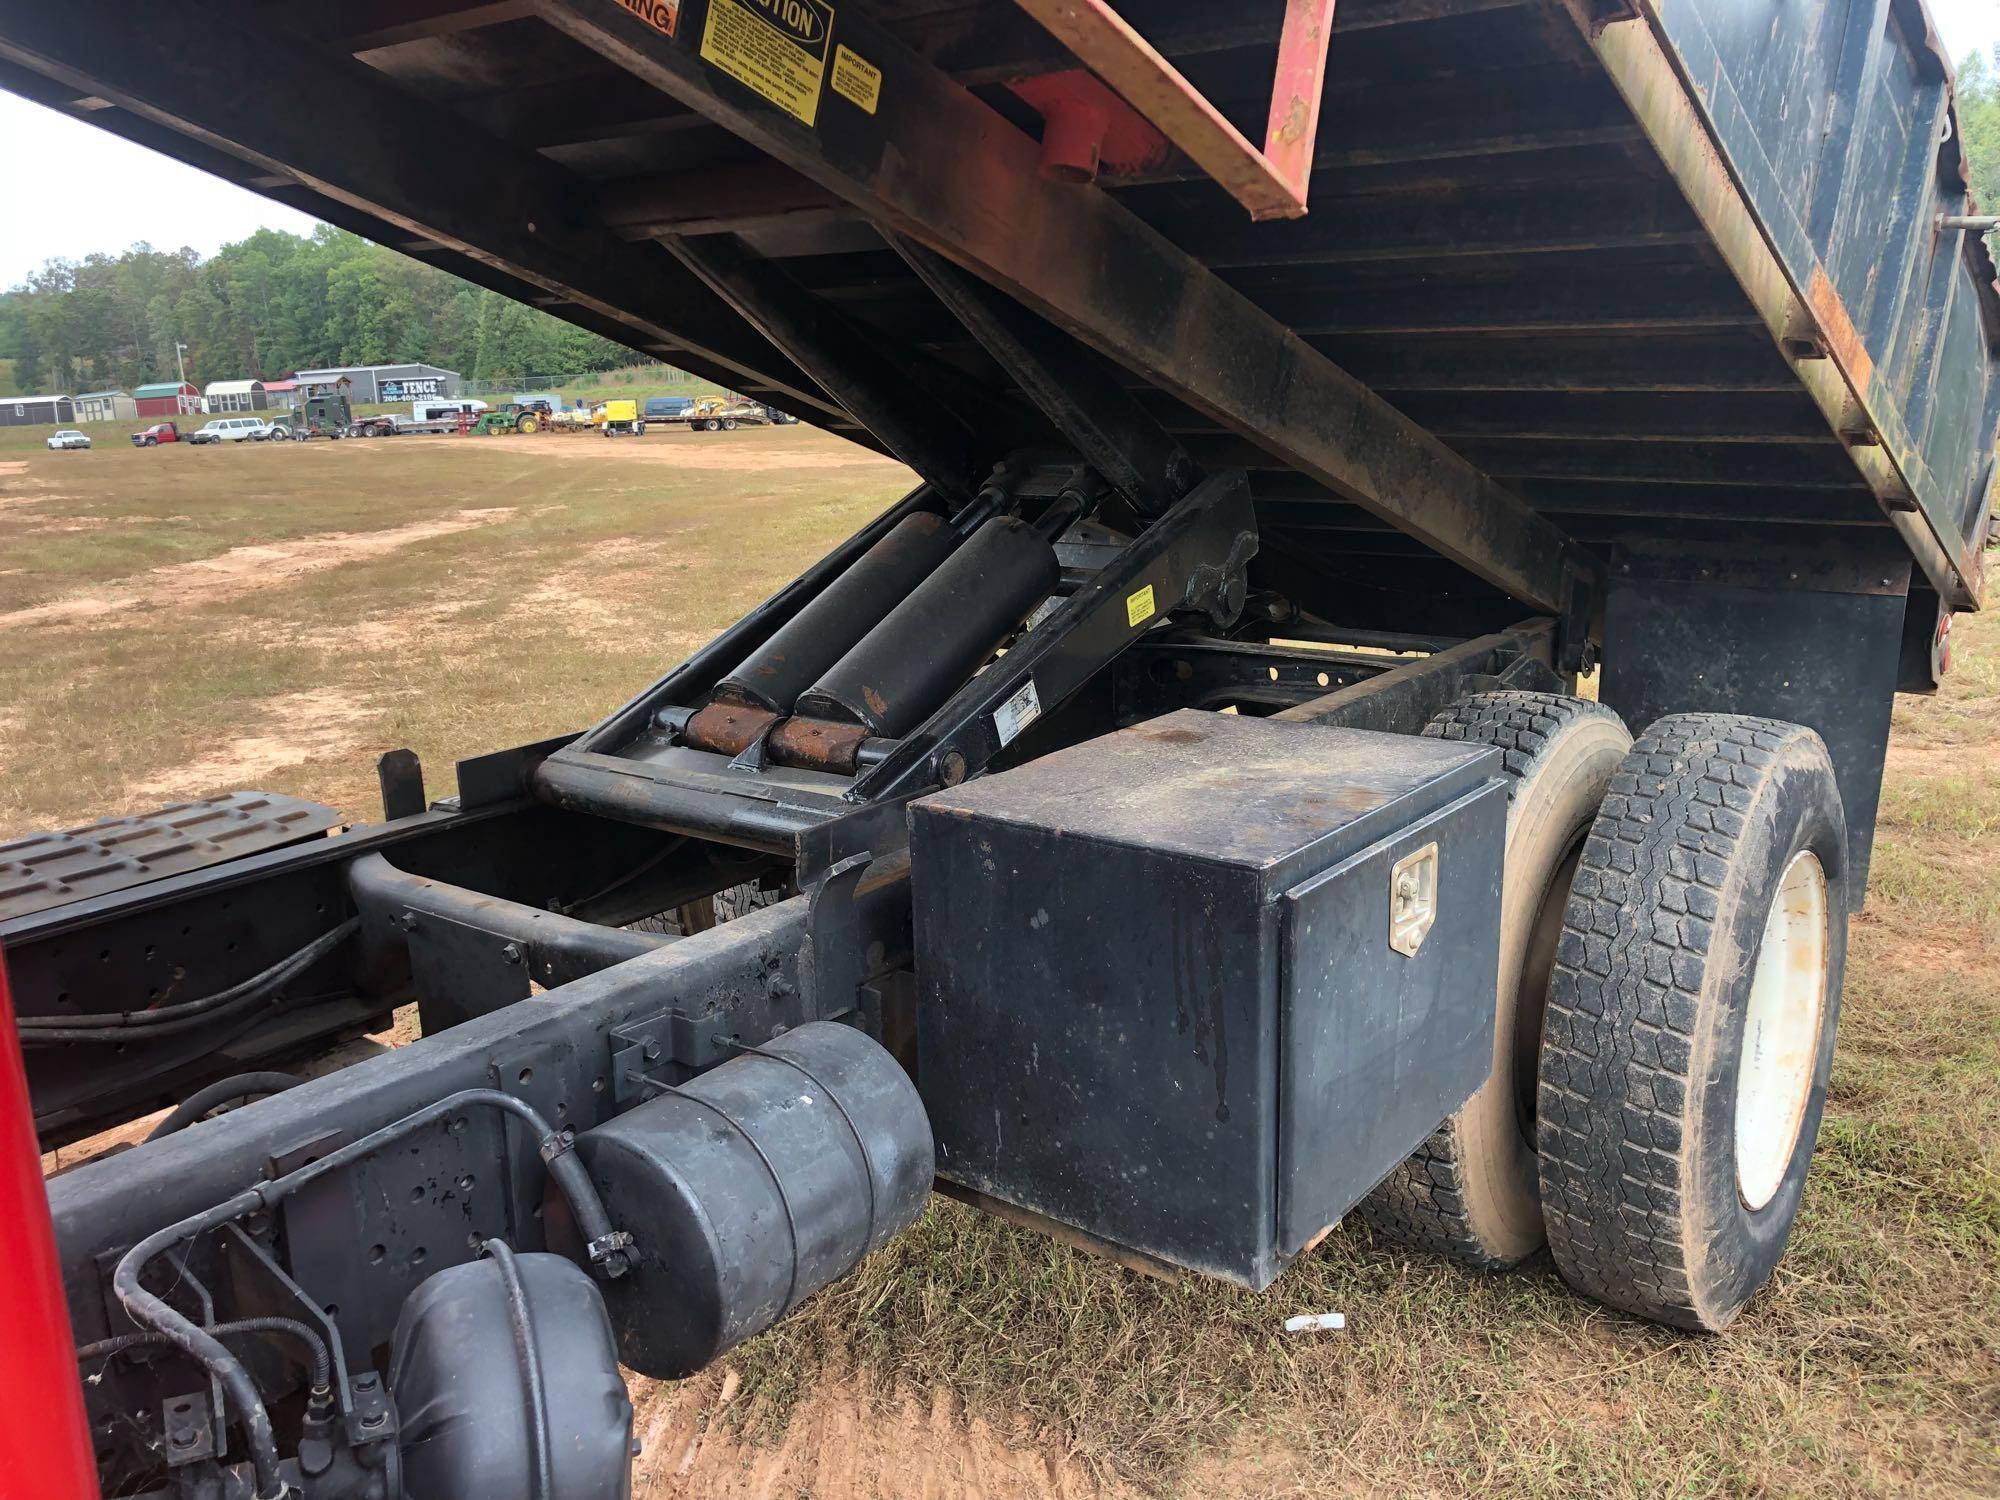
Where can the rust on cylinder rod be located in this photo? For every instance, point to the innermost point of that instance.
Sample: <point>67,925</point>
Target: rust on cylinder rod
<point>726,728</point>
<point>818,745</point>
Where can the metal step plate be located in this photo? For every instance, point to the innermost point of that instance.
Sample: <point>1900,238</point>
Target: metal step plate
<point>42,870</point>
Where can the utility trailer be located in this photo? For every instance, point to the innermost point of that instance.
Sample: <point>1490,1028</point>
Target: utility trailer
<point>1195,831</point>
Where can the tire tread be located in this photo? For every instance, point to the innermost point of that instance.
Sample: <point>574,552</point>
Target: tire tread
<point>1624,999</point>
<point>1421,1204</point>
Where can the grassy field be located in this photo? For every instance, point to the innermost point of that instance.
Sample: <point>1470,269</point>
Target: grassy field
<point>182,620</point>
<point>288,610</point>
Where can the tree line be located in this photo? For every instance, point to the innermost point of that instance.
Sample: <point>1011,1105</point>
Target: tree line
<point>1979,119</point>
<point>269,305</point>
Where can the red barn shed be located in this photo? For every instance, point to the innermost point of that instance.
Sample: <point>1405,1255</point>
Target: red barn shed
<point>167,399</point>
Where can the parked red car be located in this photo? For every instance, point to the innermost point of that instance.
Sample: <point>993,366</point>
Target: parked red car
<point>159,432</point>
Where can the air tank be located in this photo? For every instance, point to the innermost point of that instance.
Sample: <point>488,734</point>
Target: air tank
<point>752,1186</point>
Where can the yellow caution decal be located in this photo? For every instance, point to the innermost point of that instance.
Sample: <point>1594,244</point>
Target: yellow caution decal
<point>776,48</point>
<point>1139,607</point>
<point>662,15</point>
<point>856,79</point>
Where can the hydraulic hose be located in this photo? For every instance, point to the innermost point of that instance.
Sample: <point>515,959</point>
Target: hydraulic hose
<point>606,1249</point>
<point>170,1020</point>
<point>223,1091</point>
<point>530,1355</point>
<point>322,1361</point>
<point>154,1315</point>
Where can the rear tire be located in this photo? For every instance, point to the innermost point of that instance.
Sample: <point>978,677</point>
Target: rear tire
<point>723,906</point>
<point>1470,1191</point>
<point>1691,1017</point>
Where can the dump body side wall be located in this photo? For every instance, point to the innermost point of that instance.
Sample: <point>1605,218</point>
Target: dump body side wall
<point>1836,119</point>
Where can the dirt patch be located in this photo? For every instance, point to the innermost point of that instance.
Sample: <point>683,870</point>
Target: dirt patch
<point>600,591</point>
<point>843,1445</point>
<point>323,724</point>
<point>66,525</point>
<point>384,632</point>
<point>696,451</point>
<point>13,466</point>
<point>18,502</point>
<point>244,570</point>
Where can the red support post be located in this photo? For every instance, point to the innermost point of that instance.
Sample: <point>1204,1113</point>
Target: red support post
<point>45,1447</point>
<point>1295,96</point>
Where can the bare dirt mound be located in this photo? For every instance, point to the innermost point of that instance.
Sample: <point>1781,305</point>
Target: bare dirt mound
<point>243,570</point>
<point>841,1444</point>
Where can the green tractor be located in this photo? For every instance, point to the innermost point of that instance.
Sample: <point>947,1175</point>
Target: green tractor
<point>513,417</point>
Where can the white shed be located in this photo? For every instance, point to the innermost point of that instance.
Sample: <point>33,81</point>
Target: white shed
<point>236,395</point>
<point>106,406</point>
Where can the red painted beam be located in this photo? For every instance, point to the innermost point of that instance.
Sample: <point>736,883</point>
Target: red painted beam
<point>1270,189</point>
<point>1295,96</point>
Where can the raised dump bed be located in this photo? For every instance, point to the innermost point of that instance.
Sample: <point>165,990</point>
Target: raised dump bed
<point>1539,337</point>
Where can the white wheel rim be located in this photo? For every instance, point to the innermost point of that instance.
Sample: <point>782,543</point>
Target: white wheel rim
<point>1781,1032</point>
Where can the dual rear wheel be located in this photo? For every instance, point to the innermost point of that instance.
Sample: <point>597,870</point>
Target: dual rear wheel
<point>1673,931</point>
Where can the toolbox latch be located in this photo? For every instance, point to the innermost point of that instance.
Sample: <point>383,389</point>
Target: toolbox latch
<point>1413,889</point>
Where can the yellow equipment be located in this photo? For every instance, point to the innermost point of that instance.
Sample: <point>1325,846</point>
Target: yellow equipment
<point>615,417</point>
<point>724,413</point>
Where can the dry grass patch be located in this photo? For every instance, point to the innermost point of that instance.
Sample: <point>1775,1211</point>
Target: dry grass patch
<point>349,573</point>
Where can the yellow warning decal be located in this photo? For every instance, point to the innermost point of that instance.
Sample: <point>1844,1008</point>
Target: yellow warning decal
<point>1139,607</point>
<point>856,80</point>
<point>662,15</point>
<point>775,47</point>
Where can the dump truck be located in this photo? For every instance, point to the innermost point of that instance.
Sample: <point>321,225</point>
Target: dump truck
<point>1373,707</point>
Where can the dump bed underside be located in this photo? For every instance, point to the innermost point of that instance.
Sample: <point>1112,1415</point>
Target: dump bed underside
<point>1496,244</point>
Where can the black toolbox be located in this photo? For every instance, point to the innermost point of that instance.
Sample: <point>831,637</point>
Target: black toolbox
<point>1194,987</point>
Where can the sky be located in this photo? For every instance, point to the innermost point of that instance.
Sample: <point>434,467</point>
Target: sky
<point>125,193</point>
